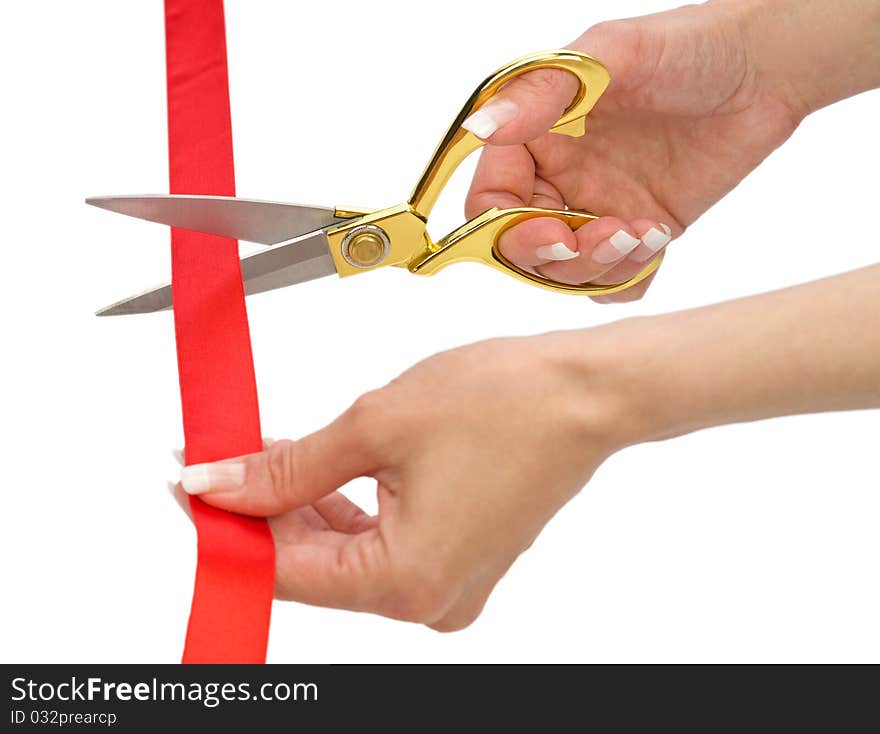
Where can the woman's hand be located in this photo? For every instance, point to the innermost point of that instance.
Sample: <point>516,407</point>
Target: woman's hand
<point>473,451</point>
<point>689,112</point>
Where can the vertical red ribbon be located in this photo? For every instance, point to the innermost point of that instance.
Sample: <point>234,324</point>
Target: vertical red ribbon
<point>229,620</point>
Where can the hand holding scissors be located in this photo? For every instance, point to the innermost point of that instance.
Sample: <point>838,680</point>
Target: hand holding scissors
<point>310,242</point>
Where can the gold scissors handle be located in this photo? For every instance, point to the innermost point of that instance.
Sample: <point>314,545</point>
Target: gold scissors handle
<point>459,143</point>
<point>311,242</point>
<point>477,240</point>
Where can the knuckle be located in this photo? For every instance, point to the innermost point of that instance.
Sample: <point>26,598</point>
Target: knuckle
<point>454,625</point>
<point>367,419</point>
<point>630,295</point>
<point>280,465</point>
<point>366,406</point>
<point>603,28</point>
<point>544,82</point>
<point>619,31</point>
<point>419,597</point>
<point>419,605</point>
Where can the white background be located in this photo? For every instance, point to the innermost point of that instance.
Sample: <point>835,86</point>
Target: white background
<point>747,543</point>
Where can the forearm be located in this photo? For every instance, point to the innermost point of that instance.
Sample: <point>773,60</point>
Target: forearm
<point>814,52</point>
<point>811,348</point>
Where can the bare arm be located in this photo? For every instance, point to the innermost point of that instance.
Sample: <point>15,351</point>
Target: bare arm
<point>819,51</point>
<point>806,349</point>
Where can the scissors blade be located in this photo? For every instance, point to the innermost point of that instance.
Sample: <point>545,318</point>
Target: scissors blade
<point>265,222</point>
<point>287,263</point>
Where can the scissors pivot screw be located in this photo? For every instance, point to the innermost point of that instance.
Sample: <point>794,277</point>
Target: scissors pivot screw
<point>365,246</point>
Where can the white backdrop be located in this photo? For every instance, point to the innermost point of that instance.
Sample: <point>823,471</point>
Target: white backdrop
<point>755,542</point>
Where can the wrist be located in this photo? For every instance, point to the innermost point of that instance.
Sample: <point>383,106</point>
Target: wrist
<point>810,53</point>
<point>642,379</point>
<point>615,381</point>
<point>753,358</point>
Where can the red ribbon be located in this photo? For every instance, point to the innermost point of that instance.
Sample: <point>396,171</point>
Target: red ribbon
<point>232,599</point>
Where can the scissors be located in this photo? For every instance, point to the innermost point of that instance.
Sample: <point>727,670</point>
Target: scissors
<point>307,242</point>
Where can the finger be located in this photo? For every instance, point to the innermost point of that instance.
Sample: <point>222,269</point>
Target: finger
<point>351,571</point>
<point>607,247</point>
<point>550,247</point>
<point>545,195</point>
<point>525,108</point>
<point>654,239</point>
<point>466,610</point>
<point>305,518</point>
<point>180,454</point>
<point>288,474</point>
<point>627,48</point>
<point>353,575</point>
<point>323,568</point>
<point>529,105</point>
<point>504,178</point>
<point>181,498</point>
<point>343,515</point>
<point>537,241</point>
<point>307,525</point>
<point>634,293</point>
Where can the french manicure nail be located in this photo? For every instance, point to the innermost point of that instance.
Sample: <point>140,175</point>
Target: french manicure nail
<point>617,246</point>
<point>556,251</point>
<point>654,241</point>
<point>178,455</point>
<point>494,114</point>
<point>218,477</point>
<point>172,487</point>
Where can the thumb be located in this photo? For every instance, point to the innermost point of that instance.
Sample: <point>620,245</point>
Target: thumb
<point>530,105</point>
<point>288,474</point>
<point>525,108</point>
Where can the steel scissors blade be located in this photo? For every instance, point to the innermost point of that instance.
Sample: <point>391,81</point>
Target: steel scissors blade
<point>252,220</point>
<point>298,252</point>
<point>307,242</point>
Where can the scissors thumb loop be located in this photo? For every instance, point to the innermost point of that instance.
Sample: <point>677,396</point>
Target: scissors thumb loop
<point>459,143</point>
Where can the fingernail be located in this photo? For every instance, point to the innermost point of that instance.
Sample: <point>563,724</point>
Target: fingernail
<point>267,442</point>
<point>556,251</point>
<point>178,455</point>
<point>494,114</point>
<point>219,477</point>
<point>654,241</point>
<point>618,245</point>
<point>172,488</point>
